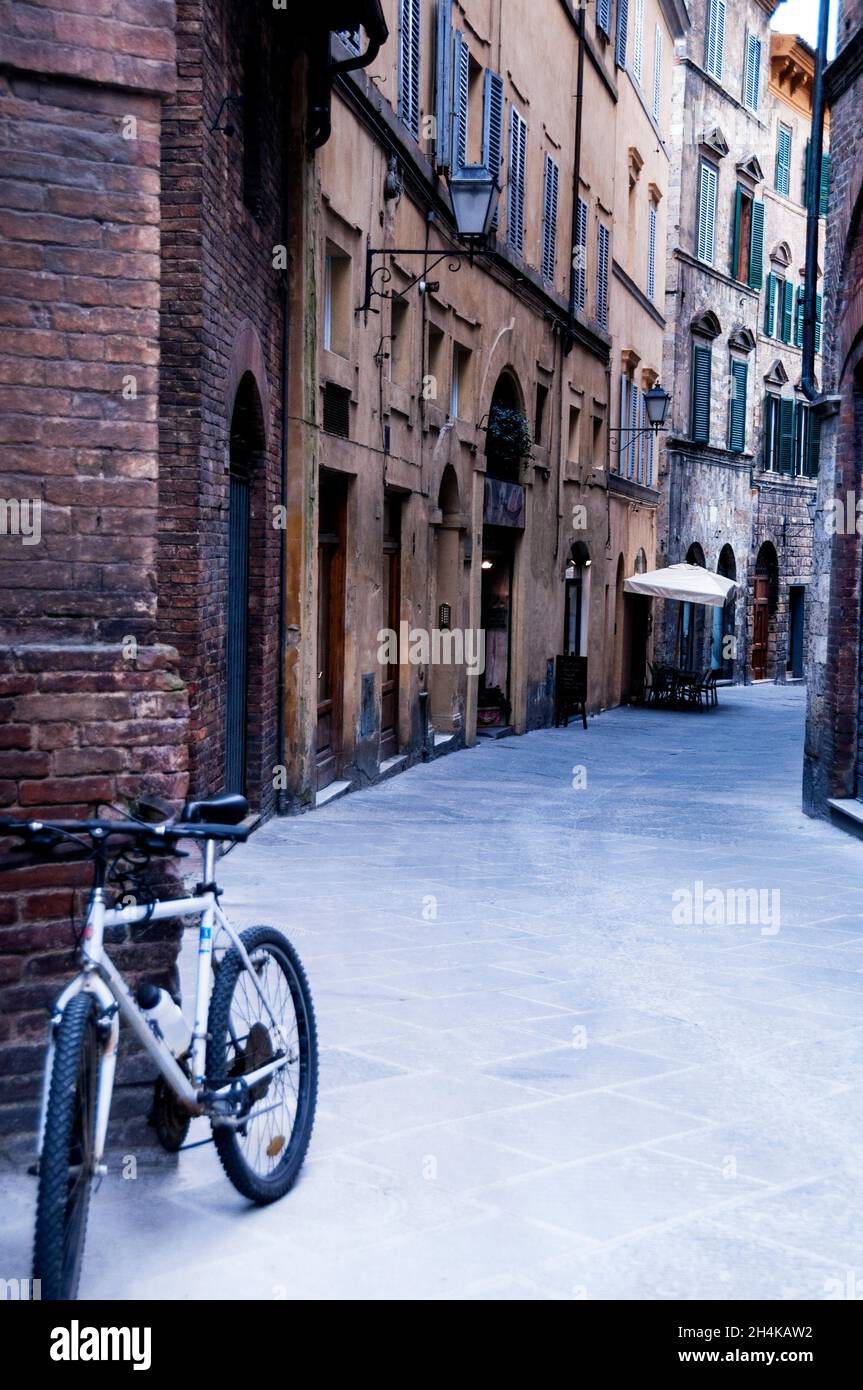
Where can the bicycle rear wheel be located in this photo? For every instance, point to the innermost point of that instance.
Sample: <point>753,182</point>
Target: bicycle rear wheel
<point>67,1160</point>
<point>263,1156</point>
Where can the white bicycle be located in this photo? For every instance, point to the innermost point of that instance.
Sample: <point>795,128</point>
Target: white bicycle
<point>249,1063</point>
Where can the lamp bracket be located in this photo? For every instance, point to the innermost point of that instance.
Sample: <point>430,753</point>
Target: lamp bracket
<point>379,276</point>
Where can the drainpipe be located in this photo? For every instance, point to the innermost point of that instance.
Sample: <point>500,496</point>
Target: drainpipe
<point>813,200</point>
<point>576,176</point>
<point>377,34</point>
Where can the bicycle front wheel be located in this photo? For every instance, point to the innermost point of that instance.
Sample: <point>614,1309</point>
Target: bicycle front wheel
<point>264,1153</point>
<point>67,1160</point>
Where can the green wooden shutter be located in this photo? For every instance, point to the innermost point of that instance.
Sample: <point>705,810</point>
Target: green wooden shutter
<point>735,245</point>
<point>770,304</point>
<point>819,303</point>
<point>825,185</point>
<point>786,435</point>
<point>702,357</point>
<point>737,407</point>
<point>813,460</point>
<point>787,312</point>
<point>756,247</point>
<point>798,319</point>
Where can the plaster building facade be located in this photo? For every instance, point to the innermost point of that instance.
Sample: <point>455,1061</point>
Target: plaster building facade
<point>833,770</point>
<point>741,460</point>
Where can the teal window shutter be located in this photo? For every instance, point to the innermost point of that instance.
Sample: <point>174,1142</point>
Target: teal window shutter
<point>769,304</point>
<point>443,85</point>
<point>787,311</point>
<point>756,247</point>
<point>825,185</point>
<point>737,407</point>
<point>813,459</point>
<point>735,243</point>
<point>819,303</point>
<point>786,435</point>
<point>798,323</point>
<point>702,357</point>
<point>622,25</point>
<point>783,160</point>
<point>707,184</point>
<point>409,64</point>
<point>492,127</point>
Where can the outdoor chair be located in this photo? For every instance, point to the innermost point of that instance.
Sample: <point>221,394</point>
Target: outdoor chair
<point>661,686</point>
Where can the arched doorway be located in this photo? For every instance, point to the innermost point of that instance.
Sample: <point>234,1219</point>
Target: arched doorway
<point>636,614</point>
<point>723,643</point>
<point>691,629</point>
<point>444,679</point>
<point>765,601</point>
<point>246,446</point>
<point>503,525</point>
<point>577,602</point>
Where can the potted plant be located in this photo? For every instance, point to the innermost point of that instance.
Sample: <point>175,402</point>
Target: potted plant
<point>509,436</point>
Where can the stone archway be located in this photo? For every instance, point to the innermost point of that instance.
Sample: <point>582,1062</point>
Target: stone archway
<point>723,641</point>
<point>765,604</point>
<point>503,683</point>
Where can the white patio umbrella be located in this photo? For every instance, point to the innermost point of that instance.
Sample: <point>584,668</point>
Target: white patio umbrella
<point>686,583</point>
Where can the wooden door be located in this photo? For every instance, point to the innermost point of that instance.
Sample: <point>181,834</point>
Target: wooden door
<point>760,628</point>
<point>331,629</point>
<point>391,590</point>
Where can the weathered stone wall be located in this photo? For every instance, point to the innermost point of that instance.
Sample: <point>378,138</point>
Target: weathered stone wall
<point>831,764</point>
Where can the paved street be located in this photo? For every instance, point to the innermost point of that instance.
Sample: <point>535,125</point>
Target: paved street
<point>537,1082</point>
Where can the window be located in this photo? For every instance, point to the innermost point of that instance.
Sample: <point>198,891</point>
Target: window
<point>792,437</point>
<point>620,40</point>
<point>517,156</point>
<point>459,398</point>
<point>783,160</point>
<point>819,302</point>
<point>602,265</point>
<point>551,188</point>
<point>400,354</point>
<point>779,308</point>
<point>337,301</point>
<point>337,410</point>
<point>638,40</point>
<point>410,32</point>
<point>603,17</point>
<point>492,126</point>
<point>573,447</point>
<point>651,250</point>
<point>708,178</point>
<point>579,257</point>
<point>461,97</point>
<point>737,407</point>
<point>657,73</point>
<point>702,362</point>
<point>747,256</point>
<point>435,364</point>
<point>798,319</point>
<point>715,51</point>
<point>539,414</point>
<point>752,72</point>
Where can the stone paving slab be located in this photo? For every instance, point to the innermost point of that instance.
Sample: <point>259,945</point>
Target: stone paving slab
<point>536,1083</point>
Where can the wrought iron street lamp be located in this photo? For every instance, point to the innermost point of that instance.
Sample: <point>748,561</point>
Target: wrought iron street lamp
<point>473,194</point>
<point>656,406</point>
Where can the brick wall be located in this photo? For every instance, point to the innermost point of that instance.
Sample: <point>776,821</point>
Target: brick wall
<point>222,316</point>
<point>91,703</point>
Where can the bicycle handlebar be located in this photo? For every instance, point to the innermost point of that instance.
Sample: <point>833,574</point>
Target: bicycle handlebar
<point>156,836</point>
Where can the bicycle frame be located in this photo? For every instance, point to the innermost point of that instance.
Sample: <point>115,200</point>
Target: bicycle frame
<point>101,978</point>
